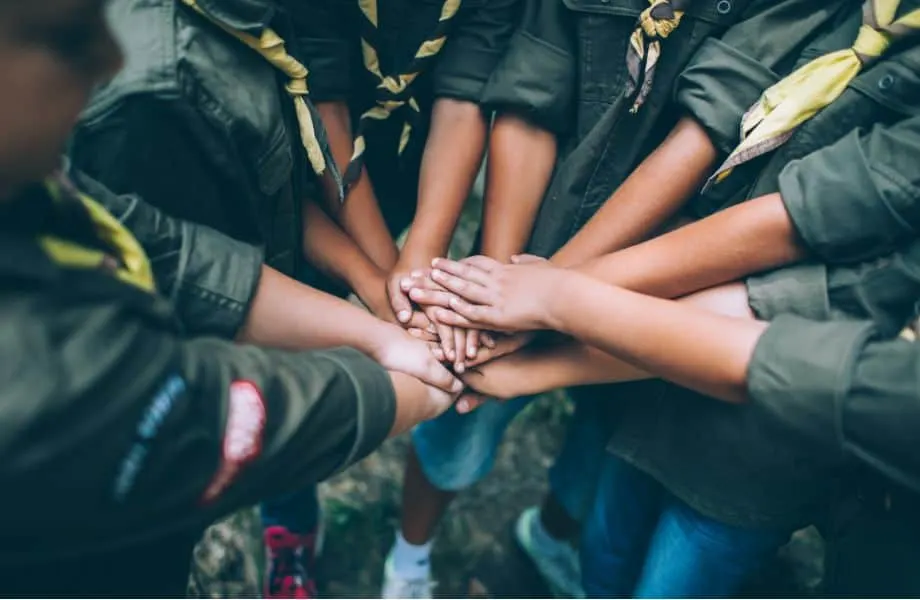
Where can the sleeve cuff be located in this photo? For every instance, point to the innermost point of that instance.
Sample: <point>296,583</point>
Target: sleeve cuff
<point>718,86</point>
<point>832,197</point>
<point>217,282</point>
<point>800,370</point>
<point>375,401</point>
<point>534,79</point>
<point>330,69</point>
<point>463,71</point>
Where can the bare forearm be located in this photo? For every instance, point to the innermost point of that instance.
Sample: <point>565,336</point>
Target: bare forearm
<point>287,314</point>
<point>568,364</point>
<point>331,251</point>
<point>744,239</point>
<point>521,158</point>
<point>684,344</point>
<point>360,216</point>
<point>452,157</point>
<point>652,194</point>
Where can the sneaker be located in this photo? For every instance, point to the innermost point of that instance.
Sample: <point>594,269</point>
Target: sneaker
<point>291,558</point>
<point>558,564</point>
<point>395,586</point>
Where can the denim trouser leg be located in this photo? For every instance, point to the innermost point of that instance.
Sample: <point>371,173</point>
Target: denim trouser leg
<point>642,542</point>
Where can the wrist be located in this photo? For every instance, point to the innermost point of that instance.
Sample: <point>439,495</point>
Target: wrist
<point>419,255</point>
<point>379,337</point>
<point>557,305</point>
<point>367,282</point>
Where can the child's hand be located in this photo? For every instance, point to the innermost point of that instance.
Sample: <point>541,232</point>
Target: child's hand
<point>372,291</point>
<point>501,379</point>
<point>462,345</point>
<point>398,351</point>
<point>500,345</point>
<point>491,295</point>
<point>373,295</point>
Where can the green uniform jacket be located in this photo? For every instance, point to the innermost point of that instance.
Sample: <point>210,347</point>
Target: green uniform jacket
<point>745,44</point>
<point>846,387</point>
<point>126,416</point>
<point>175,126</point>
<point>849,181</point>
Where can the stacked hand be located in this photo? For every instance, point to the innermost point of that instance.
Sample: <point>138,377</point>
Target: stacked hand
<point>457,345</point>
<point>483,295</point>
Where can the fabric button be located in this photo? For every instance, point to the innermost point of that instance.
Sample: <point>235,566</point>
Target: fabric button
<point>886,82</point>
<point>724,7</point>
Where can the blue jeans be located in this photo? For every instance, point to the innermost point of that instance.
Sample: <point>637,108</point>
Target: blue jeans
<point>642,542</point>
<point>455,451</point>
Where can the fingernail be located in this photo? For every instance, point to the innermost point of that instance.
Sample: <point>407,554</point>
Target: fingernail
<point>471,352</point>
<point>463,406</point>
<point>404,315</point>
<point>435,261</point>
<point>459,367</point>
<point>437,274</point>
<point>417,273</point>
<point>405,284</point>
<point>416,293</point>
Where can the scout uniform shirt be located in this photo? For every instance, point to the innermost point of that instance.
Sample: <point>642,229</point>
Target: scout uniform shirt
<point>124,417</point>
<point>854,392</point>
<point>848,180</point>
<point>201,125</point>
<point>733,41</point>
<point>440,48</point>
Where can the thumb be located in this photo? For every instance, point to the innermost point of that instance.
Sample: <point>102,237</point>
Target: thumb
<point>438,376</point>
<point>399,301</point>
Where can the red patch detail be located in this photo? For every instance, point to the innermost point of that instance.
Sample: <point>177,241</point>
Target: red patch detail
<point>242,438</point>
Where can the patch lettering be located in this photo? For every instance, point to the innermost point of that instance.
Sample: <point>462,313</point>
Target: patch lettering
<point>147,428</point>
<point>242,436</point>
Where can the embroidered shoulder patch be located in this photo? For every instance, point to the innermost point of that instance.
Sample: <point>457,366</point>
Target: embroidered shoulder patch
<point>242,436</point>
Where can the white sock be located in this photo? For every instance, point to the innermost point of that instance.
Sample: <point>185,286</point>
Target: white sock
<point>411,561</point>
<point>542,539</point>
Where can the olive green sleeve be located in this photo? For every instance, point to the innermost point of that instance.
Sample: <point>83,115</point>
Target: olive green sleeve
<point>727,75</point>
<point>859,197</point>
<point>475,44</point>
<point>536,77</point>
<point>116,431</point>
<point>852,394</point>
<point>209,277</point>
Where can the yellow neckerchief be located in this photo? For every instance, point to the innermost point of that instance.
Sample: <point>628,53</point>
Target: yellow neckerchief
<point>132,265</point>
<point>392,92</point>
<point>793,100</point>
<point>271,47</point>
<point>655,24</point>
